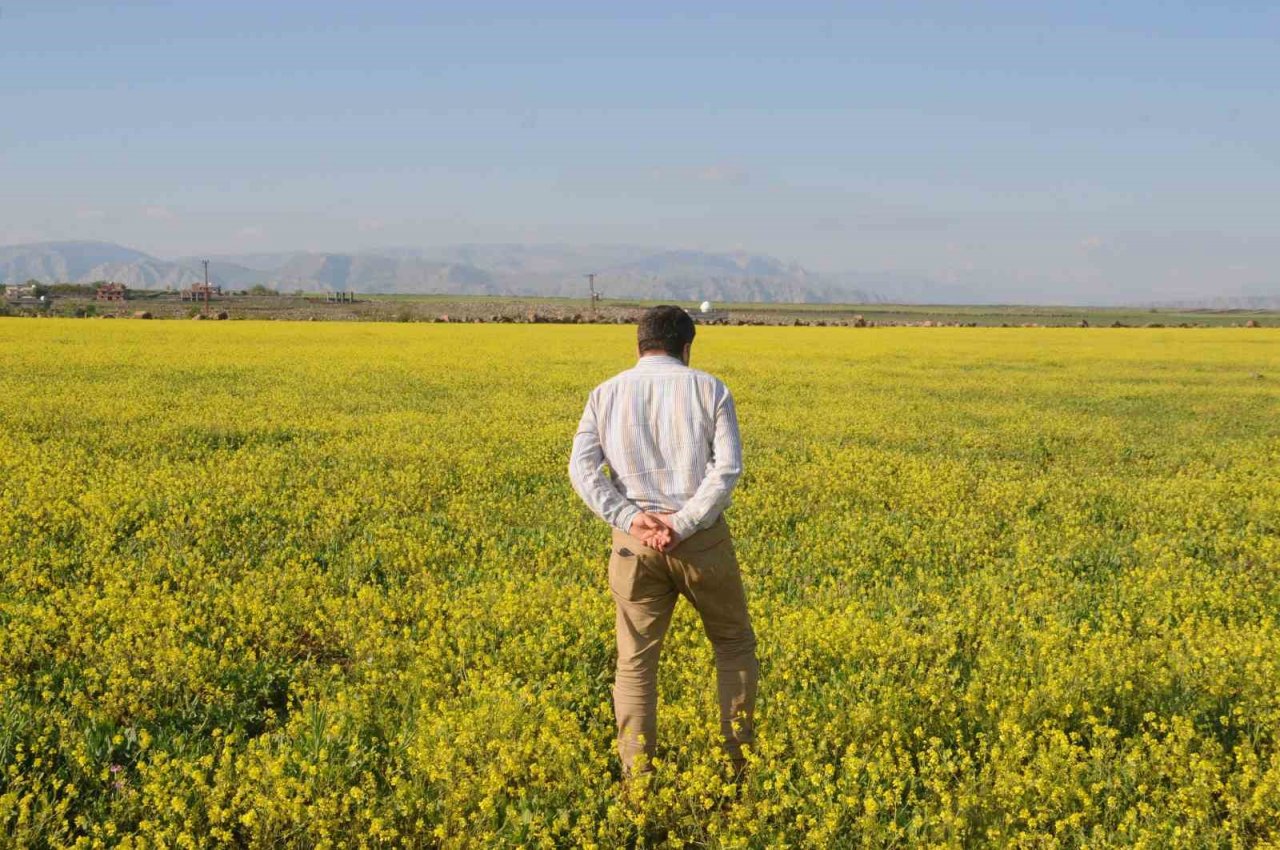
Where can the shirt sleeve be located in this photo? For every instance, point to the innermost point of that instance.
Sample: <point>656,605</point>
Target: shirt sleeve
<point>590,482</point>
<point>713,494</point>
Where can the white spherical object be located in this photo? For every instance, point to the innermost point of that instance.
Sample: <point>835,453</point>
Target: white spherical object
<point>706,307</point>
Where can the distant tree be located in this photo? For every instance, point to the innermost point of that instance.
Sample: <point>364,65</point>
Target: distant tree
<point>84,289</point>
<point>259,289</point>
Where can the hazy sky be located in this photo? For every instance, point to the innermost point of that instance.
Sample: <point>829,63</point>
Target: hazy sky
<point>1075,148</point>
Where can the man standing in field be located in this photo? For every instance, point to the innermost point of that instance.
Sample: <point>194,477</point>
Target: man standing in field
<point>669,435</point>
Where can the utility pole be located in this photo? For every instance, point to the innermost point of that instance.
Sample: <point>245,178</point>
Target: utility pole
<point>595,296</point>
<point>206,287</point>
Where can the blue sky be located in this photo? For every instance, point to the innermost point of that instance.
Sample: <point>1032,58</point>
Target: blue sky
<point>1085,149</point>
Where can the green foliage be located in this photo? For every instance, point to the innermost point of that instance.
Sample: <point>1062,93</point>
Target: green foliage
<point>83,290</point>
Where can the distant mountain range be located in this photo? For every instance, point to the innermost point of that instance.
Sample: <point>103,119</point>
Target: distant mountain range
<point>622,271</point>
<point>77,262</point>
<point>547,270</point>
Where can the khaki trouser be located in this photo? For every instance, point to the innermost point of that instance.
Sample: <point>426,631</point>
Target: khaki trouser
<point>646,584</point>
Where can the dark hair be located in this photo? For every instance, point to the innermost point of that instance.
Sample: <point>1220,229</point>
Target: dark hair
<point>665,327</point>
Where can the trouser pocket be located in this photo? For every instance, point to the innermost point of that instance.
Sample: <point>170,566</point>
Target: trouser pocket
<point>634,577</point>
<point>622,573</point>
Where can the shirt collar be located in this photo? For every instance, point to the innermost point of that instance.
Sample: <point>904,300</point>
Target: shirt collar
<point>650,361</point>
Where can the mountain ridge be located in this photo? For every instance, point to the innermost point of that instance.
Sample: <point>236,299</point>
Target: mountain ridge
<point>498,269</point>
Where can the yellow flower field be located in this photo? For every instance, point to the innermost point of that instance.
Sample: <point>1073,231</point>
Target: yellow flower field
<point>326,585</point>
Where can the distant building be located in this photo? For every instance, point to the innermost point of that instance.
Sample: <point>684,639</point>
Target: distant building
<point>111,292</point>
<point>201,292</point>
<point>24,295</point>
<point>15,291</point>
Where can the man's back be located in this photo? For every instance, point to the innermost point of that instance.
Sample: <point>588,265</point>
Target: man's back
<point>669,434</point>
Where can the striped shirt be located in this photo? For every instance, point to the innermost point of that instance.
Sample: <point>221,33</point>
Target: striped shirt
<point>669,435</point>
